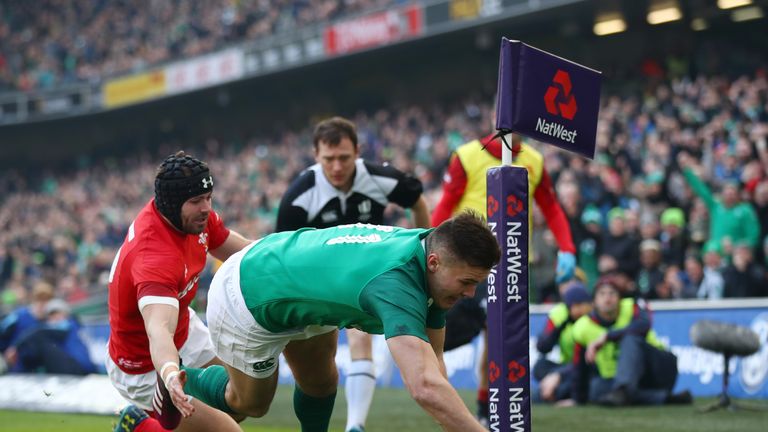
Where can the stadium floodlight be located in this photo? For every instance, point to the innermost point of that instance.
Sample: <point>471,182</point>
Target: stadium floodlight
<point>699,24</point>
<point>746,14</point>
<point>663,12</point>
<point>730,4</point>
<point>609,24</point>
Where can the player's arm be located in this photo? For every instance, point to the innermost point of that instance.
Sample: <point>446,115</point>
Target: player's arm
<point>437,340</point>
<point>558,224</point>
<point>547,201</point>
<point>428,386</point>
<point>550,336</point>
<point>454,185</point>
<point>406,193</point>
<point>421,213</point>
<point>234,243</point>
<point>160,319</point>
<point>640,324</point>
<point>291,217</point>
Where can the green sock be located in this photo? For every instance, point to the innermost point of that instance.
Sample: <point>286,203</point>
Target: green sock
<point>313,413</point>
<point>209,385</point>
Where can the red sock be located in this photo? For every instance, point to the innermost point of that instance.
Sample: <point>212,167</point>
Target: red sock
<point>482,395</point>
<point>165,411</point>
<point>150,425</point>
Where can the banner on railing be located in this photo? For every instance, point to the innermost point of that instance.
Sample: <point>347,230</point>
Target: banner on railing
<point>206,71</point>
<point>134,88</point>
<point>377,29</point>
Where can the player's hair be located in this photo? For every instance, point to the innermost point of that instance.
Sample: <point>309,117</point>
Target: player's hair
<point>466,238</point>
<point>331,131</point>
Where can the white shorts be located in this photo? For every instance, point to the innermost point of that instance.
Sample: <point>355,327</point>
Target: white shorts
<point>239,340</point>
<point>139,389</point>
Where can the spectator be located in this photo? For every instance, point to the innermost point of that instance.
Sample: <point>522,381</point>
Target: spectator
<point>620,247</point>
<point>47,221</point>
<point>651,274</point>
<point>590,246</point>
<point>555,377</point>
<point>674,243</point>
<point>760,204</point>
<point>690,279</point>
<point>731,220</point>
<point>55,346</point>
<point>22,321</point>
<point>618,359</point>
<point>743,277</point>
<point>712,285</point>
<point>56,43</point>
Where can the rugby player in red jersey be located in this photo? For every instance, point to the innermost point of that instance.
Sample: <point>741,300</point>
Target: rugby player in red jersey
<point>153,279</point>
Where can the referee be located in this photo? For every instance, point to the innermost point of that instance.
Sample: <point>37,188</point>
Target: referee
<point>341,189</point>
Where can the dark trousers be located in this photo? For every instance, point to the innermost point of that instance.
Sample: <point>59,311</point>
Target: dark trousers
<point>647,373</point>
<point>41,351</point>
<point>544,367</point>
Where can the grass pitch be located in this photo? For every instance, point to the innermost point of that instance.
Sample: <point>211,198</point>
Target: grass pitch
<point>393,410</point>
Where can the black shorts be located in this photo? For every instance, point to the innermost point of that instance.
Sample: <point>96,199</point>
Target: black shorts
<point>466,319</point>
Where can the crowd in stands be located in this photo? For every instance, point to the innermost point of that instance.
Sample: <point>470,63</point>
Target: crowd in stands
<point>44,43</point>
<point>676,200</point>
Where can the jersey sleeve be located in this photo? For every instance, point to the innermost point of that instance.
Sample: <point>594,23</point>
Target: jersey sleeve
<point>435,317</point>
<point>217,232</point>
<point>553,213</point>
<point>454,184</point>
<point>397,299</point>
<point>155,275</point>
<point>408,188</point>
<point>289,216</point>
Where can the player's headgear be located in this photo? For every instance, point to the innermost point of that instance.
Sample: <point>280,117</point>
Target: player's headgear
<point>179,178</point>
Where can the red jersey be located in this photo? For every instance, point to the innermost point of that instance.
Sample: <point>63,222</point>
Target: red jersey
<point>156,264</point>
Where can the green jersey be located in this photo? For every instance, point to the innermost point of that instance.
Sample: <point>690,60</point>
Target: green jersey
<point>370,277</point>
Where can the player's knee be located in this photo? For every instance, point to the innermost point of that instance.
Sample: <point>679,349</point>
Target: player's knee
<point>253,409</point>
<point>248,406</point>
<point>321,384</point>
<point>361,350</point>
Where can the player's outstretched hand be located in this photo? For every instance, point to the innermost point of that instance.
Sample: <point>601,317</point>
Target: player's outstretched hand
<point>175,385</point>
<point>566,266</point>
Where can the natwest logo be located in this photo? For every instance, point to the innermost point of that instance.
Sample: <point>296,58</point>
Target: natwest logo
<point>493,206</point>
<point>514,206</point>
<point>516,371</point>
<point>493,372</point>
<point>558,98</point>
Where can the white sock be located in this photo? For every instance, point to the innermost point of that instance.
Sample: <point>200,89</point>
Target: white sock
<point>361,382</point>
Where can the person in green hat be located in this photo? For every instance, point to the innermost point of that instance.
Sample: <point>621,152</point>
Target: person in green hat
<point>674,241</point>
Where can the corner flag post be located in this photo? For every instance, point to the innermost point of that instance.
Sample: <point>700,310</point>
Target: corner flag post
<point>552,100</point>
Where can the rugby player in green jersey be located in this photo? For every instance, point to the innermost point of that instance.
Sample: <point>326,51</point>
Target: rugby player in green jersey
<point>290,292</point>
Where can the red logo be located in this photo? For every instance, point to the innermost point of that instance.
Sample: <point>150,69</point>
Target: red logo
<point>493,372</point>
<point>516,371</point>
<point>493,206</point>
<point>514,206</point>
<point>558,98</point>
